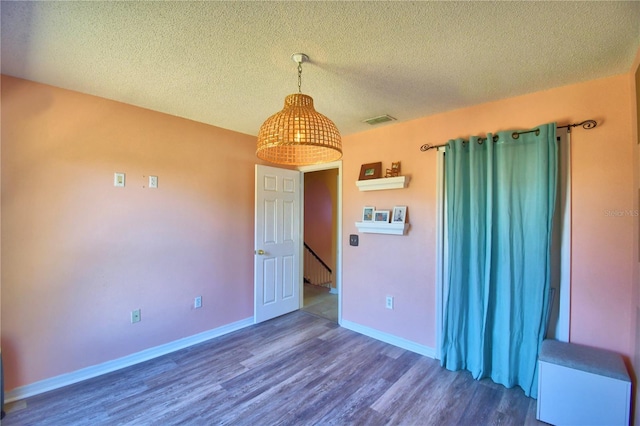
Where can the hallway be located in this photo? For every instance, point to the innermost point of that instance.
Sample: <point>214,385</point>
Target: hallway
<point>319,301</point>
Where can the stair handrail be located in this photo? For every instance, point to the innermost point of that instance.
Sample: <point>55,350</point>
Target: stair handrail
<point>317,257</point>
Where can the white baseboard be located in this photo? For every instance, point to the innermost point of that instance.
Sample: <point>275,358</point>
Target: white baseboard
<point>116,364</point>
<point>390,338</point>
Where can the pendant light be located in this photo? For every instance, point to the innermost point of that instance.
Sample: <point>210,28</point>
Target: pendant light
<point>299,135</point>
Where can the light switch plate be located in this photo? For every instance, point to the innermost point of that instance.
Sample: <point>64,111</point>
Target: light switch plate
<point>353,240</point>
<point>118,179</point>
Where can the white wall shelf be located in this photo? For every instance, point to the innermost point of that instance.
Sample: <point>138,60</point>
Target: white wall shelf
<point>382,228</point>
<point>383,183</point>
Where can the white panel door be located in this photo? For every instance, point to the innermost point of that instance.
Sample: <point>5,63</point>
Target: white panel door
<point>277,272</point>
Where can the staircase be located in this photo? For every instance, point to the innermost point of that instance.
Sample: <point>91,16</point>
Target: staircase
<point>316,272</point>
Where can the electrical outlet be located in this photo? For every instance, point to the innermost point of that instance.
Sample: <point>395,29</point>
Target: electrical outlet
<point>389,302</point>
<point>135,316</point>
<point>197,302</point>
<point>153,181</point>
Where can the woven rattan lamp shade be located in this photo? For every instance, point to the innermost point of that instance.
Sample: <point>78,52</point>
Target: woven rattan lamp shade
<point>299,135</point>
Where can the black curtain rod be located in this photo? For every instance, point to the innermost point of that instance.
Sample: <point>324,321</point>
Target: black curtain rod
<point>587,124</point>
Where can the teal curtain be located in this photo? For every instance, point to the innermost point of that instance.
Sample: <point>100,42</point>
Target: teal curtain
<point>500,202</point>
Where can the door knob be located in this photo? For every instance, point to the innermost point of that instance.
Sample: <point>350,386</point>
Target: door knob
<point>260,252</point>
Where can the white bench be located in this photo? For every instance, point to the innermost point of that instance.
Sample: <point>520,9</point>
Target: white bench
<point>580,385</point>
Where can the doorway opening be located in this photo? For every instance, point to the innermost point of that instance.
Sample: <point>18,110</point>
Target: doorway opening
<point>322,189</point>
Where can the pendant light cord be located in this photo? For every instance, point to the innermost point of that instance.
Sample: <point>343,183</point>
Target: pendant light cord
<point>299,77</point>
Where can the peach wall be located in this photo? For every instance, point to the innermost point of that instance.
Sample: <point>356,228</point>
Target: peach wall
<point>602,245</point>
<point>405,266</point>
<point>635,300</point>
<point>391,265</point>
<point>79,254</point>
<point>319,196</point>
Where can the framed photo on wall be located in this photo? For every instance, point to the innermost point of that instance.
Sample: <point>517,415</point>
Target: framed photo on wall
<point>381,216</point>
<point>370,171</point>
<point>367,214</point>
<point>399,214</point>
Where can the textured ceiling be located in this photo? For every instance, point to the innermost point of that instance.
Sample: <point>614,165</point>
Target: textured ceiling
<point>228,63</point>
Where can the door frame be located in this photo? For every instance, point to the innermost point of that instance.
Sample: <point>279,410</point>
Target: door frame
<point>338,271</point>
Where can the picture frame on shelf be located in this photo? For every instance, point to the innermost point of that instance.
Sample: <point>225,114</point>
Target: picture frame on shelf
<point>381,216</point>
<point>367,214</point>
<point>370,171</point>
<point>399,214</point>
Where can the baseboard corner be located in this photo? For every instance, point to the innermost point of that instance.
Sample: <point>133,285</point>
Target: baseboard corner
<point>390,338</point>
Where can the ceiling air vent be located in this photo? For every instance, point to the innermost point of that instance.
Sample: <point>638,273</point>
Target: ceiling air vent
<point>379,119</point>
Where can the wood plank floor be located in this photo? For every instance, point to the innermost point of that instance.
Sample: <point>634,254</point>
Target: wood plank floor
<point>298,369</point>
